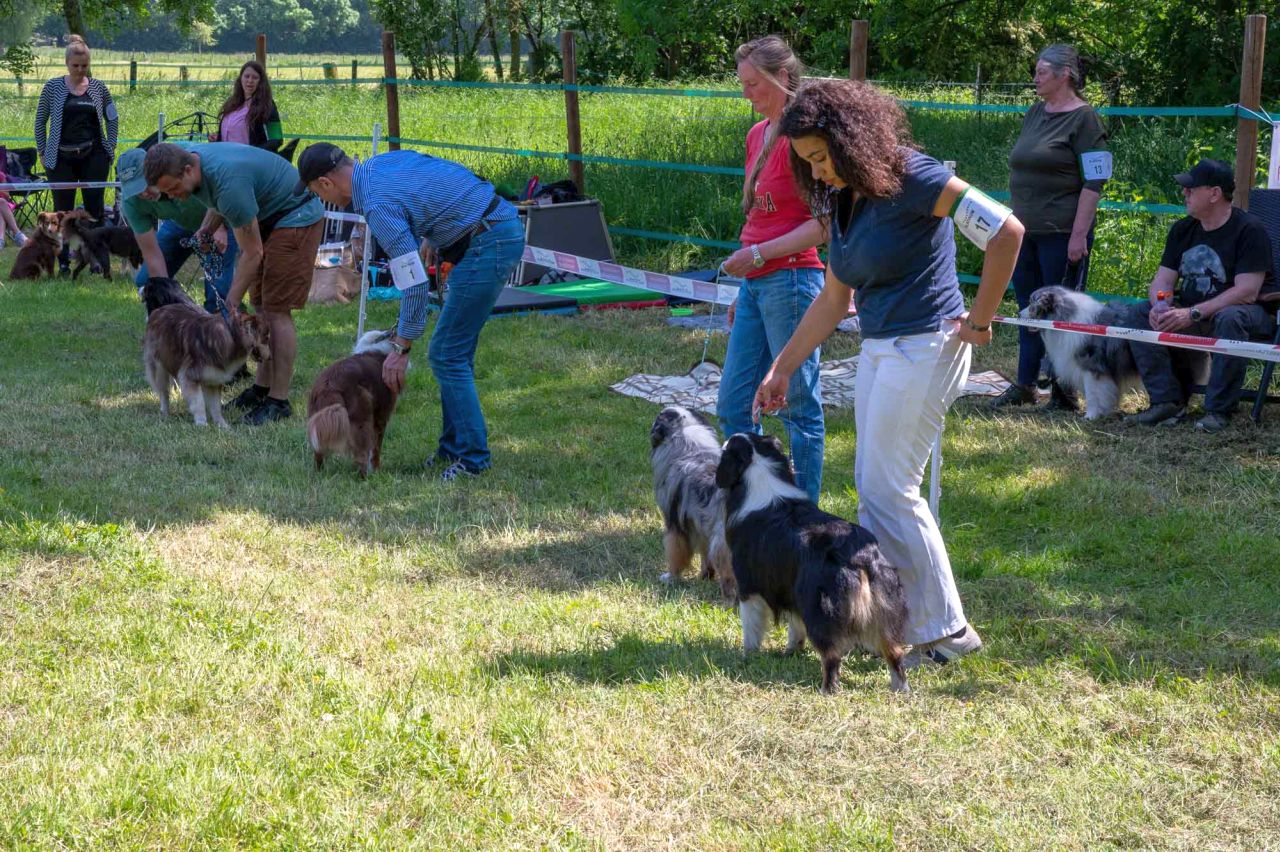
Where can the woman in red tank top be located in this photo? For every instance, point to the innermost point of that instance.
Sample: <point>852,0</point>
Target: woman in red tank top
<point>780,265</point>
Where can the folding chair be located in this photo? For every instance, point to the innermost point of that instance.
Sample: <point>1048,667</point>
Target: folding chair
<point>21,166</point>
<point>1265,204</point>
<point>195,127</point>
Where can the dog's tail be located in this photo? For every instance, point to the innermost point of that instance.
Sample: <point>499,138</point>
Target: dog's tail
<point>329,431</point>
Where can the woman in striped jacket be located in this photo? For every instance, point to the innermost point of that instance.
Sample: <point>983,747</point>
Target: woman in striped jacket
<point>74,147</point>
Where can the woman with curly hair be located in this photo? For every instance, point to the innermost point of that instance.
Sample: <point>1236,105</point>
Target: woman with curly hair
<point>250,116</point>
<point>893,251</point>
<point>779,263</point>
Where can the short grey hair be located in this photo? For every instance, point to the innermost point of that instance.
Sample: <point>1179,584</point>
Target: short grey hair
<point>1064,58</point>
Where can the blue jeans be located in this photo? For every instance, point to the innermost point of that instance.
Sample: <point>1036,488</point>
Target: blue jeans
<point>1167,371</point>
<point>769,309</point>
<point>473,288</point>
<point>1041,263</point>
<point>168,235</point>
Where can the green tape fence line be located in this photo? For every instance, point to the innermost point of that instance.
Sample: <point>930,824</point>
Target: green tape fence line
<point>672,238</point>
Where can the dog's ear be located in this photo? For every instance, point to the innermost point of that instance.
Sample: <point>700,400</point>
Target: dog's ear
<point>733,462</point>
<point>661,429</point>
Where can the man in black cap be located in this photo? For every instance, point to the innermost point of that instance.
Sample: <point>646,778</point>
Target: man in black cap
<point>1218,265</point>
<point>407,198</point>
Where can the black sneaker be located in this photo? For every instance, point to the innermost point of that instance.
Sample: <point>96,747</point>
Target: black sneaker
<point>271,409</point>
<point>249,398</point>
<point>1014,395</point>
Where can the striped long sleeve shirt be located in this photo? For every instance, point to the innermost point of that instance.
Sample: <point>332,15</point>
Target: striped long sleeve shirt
<point>408,197</point>
<point>49,112</point>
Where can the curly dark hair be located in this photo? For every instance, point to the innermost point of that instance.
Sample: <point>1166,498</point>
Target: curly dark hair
<point>866,132</point>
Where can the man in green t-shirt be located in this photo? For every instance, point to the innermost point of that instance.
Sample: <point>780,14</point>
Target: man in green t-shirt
<point>162,225</point>
<point>278,234</point>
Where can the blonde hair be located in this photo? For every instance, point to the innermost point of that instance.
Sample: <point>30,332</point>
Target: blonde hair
<point>76,45</point>
<point>770,55</point>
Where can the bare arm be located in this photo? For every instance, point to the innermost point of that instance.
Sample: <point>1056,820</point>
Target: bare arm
<point>151,254</point>
<point>800,238</point>
<point>1086,212</point>
<point>250,242</point>
<point>997,263</point>
<point>1243,291</point>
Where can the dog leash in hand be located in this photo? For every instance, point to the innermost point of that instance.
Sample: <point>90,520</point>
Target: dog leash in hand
<point>211,259</point>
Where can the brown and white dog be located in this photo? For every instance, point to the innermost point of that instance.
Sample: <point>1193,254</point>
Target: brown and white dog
<point>40,254</point>
<point>202,352</point>
<point>350,405</point>
<point>684,453</point>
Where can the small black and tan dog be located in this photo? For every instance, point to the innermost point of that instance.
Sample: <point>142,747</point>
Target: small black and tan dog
<point>824,575</point>
<point>94,244</point>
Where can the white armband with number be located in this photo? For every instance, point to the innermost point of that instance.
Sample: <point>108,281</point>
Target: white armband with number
<point>407,270</point>
<point>1096,165</point>
<point>979,216</point>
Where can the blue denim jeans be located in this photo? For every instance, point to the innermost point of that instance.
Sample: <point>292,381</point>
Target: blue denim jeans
<point>473,288</point>
<point>1041,263</point>
<point>769,309</point>
<point>168,236</point>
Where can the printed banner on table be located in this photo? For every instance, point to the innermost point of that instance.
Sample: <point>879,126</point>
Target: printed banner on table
<point>657,282</point>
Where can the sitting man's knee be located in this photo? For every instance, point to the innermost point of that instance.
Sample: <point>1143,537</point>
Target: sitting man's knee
<point>1232,322</point>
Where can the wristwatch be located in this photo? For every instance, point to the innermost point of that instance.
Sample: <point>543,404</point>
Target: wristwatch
<point>976,327</point>
<point>1196,316</point>
<point>398,348</point>
<point>757,259</point>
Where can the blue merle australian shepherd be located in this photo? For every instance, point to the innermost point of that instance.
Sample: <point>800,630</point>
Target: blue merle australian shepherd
<point>824,575</point>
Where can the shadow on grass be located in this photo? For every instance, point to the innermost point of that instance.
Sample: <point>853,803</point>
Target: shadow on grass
<point>634,659</point>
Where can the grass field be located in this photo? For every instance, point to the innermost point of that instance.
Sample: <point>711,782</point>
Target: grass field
<point>702,131</point>
<point>204,643</point>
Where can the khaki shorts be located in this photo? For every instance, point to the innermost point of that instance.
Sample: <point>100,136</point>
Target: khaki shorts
<point>288,262</point>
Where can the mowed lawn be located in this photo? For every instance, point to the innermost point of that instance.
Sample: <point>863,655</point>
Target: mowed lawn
<point>205,643</point>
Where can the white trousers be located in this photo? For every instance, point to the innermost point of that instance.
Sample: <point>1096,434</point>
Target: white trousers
<point>904,387</point>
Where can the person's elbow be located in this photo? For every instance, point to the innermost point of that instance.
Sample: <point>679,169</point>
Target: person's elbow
<point>1007,240</point>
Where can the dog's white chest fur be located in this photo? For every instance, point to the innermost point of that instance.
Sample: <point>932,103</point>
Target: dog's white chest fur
<point>764,488</point>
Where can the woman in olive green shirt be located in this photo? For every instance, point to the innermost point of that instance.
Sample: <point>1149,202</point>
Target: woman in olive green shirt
<point>1057,169</point>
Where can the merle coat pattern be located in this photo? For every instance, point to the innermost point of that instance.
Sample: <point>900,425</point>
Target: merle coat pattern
<point>824,575</point>
<point>685,452</point>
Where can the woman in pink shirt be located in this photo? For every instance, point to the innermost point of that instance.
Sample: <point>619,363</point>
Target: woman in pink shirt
<point>250,116</point>
<point>780,263</point>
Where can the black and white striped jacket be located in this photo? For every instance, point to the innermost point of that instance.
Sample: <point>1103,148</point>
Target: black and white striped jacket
<point>52,98</point>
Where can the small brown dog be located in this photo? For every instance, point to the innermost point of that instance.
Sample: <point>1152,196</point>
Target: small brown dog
<point>350,405</point>
<point>40,254</point>
<point>202,352</point>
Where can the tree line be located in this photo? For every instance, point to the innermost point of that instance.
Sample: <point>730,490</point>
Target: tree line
<point>1149,51</point>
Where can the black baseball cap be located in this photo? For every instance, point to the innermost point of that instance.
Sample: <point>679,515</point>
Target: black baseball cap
<point>316,162</point>
<point>1209,173</point>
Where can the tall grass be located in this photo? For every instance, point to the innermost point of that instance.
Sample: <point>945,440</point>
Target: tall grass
<point>703,131</point>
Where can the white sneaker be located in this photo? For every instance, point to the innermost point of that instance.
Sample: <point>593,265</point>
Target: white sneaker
<point>945,650</point>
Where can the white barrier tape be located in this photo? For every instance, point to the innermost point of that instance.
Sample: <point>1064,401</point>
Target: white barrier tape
<point>59,184</point>
<point>657,282</point>
<point>1243,348</point>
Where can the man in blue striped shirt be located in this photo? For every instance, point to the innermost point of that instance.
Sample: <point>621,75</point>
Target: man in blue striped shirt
<point>408,198</point>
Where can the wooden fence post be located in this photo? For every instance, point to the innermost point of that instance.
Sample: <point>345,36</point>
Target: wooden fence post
<point>858,50</point>
<point>355,74</point>
<point>1255,37</point>
<point>260,51</point>
<point>133,75</point>
<point>572,120</point>
<point>184,74</point>
<point>393,91</point>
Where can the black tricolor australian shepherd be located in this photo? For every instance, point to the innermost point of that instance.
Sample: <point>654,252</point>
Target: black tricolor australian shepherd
<point>824,575</point>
